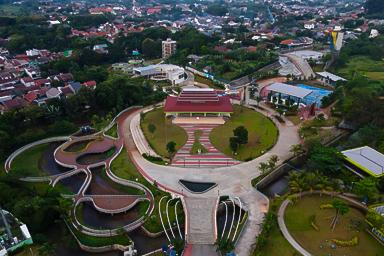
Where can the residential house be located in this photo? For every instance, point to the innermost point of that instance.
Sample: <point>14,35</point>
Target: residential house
<point>27,81</point>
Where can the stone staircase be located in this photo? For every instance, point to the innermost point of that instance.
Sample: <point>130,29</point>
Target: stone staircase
<point>201,220</point>
<point>213,158</point>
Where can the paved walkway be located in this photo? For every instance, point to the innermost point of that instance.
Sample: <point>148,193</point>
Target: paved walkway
<point>233,181</point>
<point>284,230</point>
<point>213,158</point>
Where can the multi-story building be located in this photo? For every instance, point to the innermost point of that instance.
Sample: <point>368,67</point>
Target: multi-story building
<point>168,47</point>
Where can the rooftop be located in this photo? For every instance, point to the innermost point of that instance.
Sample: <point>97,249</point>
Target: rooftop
<point>367,159</point>
<point>290,90</point>
<point>331,76</point>
<point>198,100</point>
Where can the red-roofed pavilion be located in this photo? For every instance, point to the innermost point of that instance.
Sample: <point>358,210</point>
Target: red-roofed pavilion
<point>198,102</point>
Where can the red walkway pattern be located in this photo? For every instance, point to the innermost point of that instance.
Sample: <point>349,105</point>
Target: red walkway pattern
<point>213,158</point>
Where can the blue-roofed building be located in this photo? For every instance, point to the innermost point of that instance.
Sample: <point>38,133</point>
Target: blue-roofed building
<point>76,86</point>
<point>299,94</point>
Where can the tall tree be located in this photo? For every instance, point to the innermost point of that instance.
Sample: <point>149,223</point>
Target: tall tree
<point>241,133</point>
<point>366,187</point>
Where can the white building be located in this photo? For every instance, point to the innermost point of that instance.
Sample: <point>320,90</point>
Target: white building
<point>309,55</point>
<point>309,25</point>
<point>160,72</point>
<point>329,78</point>
<point>168,48</point>
<point>374,33</point>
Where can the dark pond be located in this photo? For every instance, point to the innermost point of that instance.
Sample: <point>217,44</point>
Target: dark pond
<point>74,182</point>
<point>96,219</point>
<point>197,187</point>
<point>47,162</point>
<point>92,158</point>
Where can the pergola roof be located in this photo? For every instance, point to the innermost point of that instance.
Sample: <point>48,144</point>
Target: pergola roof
<point>290,90</point>
<point>367,159</point>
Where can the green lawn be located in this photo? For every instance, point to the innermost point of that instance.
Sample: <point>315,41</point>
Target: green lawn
<point>123,167</point>
<point>112,131</point>
<point>208,82</point>
<point>262,133</point>
<point>101,241</point>
<point>27,163</point>
<point>364,65</point>
<point>350,225</point>
<point>165,132</point>
<point>197,145</point>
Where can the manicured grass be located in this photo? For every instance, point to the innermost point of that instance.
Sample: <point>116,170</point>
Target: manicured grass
<point>78,146</point>
<point>101,241</point>
<point>262,133</point>
<point>364,65</point>
<point>123,167</point>
<point>27,163</point>
<point>350,225</point>
<point>208,82</point>
<point>197,145</point>
<point>112,131</point>
<point>165,132</point>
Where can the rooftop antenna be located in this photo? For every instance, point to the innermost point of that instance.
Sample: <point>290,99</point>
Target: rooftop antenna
<point>7,228</point>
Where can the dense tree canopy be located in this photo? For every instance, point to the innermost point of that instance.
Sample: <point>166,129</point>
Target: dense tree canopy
<point>217,9</point>
<point>374,6</point>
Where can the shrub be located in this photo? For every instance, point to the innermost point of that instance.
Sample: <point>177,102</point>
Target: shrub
<point>347,243</point>
<point>326,206</point>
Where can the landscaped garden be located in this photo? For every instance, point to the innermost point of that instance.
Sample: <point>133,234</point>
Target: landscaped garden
<point>262,134</point>
<point>316,232</point>
<point>123,167</point>
<point>159,131</point>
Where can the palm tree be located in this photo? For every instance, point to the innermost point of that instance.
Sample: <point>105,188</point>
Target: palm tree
<point>296,182</point>
<point>296,149</point>
<point>322,183</point>
<point>311,181</point>
<point>224,246</point>
<point>264,168</point>
<point>341,209</point>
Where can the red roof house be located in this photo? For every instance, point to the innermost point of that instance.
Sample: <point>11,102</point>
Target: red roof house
<point>90,84</point>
